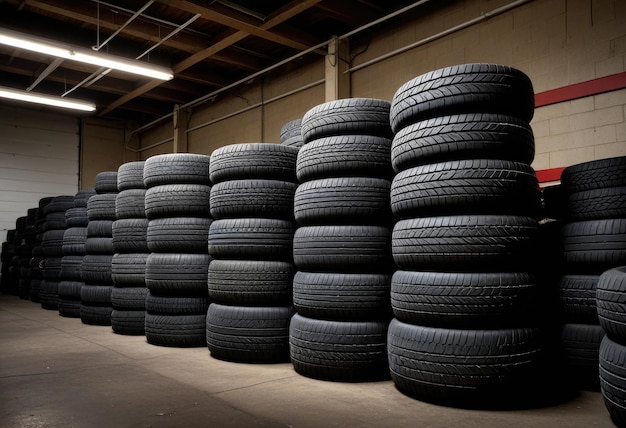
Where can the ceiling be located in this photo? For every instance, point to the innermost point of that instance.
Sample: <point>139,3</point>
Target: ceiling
<point>215,43</point>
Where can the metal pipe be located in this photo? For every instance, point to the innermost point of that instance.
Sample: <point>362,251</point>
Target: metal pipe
<point>124,25</point>
<point>49,69</point>
<point>172,34</point>
<point>444,33</point>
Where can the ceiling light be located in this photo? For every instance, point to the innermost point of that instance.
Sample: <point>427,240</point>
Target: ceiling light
<point>75,53</point>
<point>31,97</point>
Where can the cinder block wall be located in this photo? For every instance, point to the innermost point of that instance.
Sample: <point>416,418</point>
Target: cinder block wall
<point>556,42</point>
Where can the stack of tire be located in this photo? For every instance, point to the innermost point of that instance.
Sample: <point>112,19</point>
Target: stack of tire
<point>36,262</point>
<point>52,246</point>
<point>250,243</point>
<point>95,293</point>
<point>177,209</point>
<point>74,239</point>
<point>25,252</point>
<point>130,245</point>
<point>342,248</point>
<point>593,242</point>
<point>8,278</point>
<point>291,134</point>
<point>466,330</point>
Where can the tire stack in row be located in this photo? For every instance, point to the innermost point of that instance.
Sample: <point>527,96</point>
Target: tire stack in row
<point>130,246</point>
<point>8,280</point>
<point>250,243</point>
<point>74,240</point>
<point>342,247</point>
<point>95,294</point>
<point>593,241</point>
<point>465,296</point>
<point>36,262</point>
<point>177,209</point>
<point>25,253</point>
<point>52,245</point>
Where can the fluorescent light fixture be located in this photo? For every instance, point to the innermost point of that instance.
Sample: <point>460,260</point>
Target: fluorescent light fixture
<point>75,53</point>
<point>31,97</point>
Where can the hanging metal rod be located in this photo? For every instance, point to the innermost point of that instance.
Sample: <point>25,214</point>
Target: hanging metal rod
<point>124,25</point>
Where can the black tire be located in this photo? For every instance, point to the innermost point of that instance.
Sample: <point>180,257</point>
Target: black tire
<point>100,228</point>
<point>130,235</point>
<point>106,182</point>
<point>463,136</point>
<point>54,220</point>
<point>130,176</point>
<point>291,133</point>
<point>96,268</point>
<point>177,200</point>
<point>342,296</point>
<point>69,308</point>
<point>479,243</point>
<point>473,186</point>
<point>248,334</point>
<point>463,89</point>
<point>465,300</point>
<point>58,204</point>
<point>74,241</point>
<point>176,168</point>
<point>338,350</point>
<point>251,239</point>
<point>581,344</point>
<point>343,200</point>
<point>97,295</point>
<point>129,298</point>
<point>253,161</point>
<point>611,301</point>
<point>49,294</point>
<point>82,197</point>
<point>596,174</point>
<point>71,267</point>
<point>597,204</point>
<point>253,198</point>
<point>99,245</point>
<point>70,289</point>
<point>612,379</point>
<point>177,273</point>
<point>130,203</point>
<point>76,217</point>
<point>52,268</point>
<point>176,305</point>
<point>577,298</point>
<point>178,235</point>
<point>101,207</point>
<point>129,270</point>
<point>131,323</point>
<point>52,243</point>
<point>364,249</point>
<point>249,282</point>
<point>176,330</point>
<point>343,156</point>
<point>591,247</point>
<point>349,116</point>
<point>96,315</point>
<point>464,367</point>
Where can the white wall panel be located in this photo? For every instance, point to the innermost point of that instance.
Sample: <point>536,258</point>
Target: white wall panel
<point>39,154</point>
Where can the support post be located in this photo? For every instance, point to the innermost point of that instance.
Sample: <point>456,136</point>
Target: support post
<point>180,130</point>
<point>336,67</point>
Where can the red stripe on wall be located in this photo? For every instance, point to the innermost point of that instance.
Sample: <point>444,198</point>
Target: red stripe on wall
<point>551,174</point>
<point>581,90</point>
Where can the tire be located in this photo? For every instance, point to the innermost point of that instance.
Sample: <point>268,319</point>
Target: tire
<point>177,273</point>
<point>54,220</point>
<point>463,89</point>
<point>253,161</point>
<point>176,330</point>
<point>253,198</point>
<point>597,204</point>
<point>100,228</point>
<point>248,334</point>
<point>49,294</point>
<point>129,270</point>
<point>577,298</point>
<point>176,168</point>
<point>612,357</point>
<point>178,235</point>
<point>478,243</point>
<point>611,301</point>
<point>97,295</point>
<point>71,267</point>
<point>96,268</point>
<point>463,136</point>
<point>342,296</point>
<point>76,217</point>
<point>363,249</point>
<point>349,116</point>
<point>130,235</point>
<point>597,174</point>
<point>249,282</point>
<point>106,182</point>
<point>129,298</point>
<point>52,243</point>
<point>343,200</point>
<point>591,247</point>
<point>82,197</point>
<point>251,239</point>
<point>581,344</point>
<point>52,268</point>
<point>74,240</point>
<point>130,176</point>
<point>99,245</point>
<point>291,134</point>
<point>69,308</point>
<point>463,367</point>
<point>58,204</point>
<point>130,203</point>
<point>176,305</point>
<point>130,323</point>
<point>96,315</point>
<point>177,200</point>
<point>345,155</point>
<point>101,207</point>
<point>465,300</point>
<point>338,350</point>
<point>70,289</point>
<point>475,186</point>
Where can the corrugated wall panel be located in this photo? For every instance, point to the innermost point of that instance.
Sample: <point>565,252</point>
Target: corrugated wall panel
<point>38,158</point>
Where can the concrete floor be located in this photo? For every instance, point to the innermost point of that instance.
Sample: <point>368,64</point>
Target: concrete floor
<point>58,372</point>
